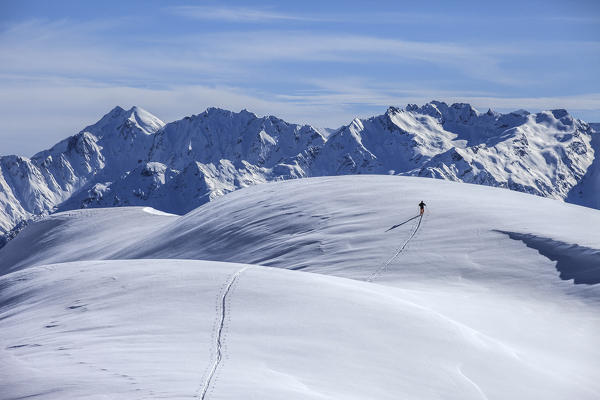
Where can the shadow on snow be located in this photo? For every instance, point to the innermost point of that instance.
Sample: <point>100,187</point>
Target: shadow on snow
<point>402,223</point>
<point>582,264</point>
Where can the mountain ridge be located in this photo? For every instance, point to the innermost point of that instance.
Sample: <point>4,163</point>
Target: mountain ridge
<point>130,157</point>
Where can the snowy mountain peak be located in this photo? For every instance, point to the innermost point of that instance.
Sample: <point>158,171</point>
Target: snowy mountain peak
<point>215,112</point>
<point>116,111</point>
<point>356,125</point>
<point>521,112</point>
<point>126,123</point>
<point>135,159</point>
<point>149,123</point>
<point>393,110</point>
<point>463,112</point>
<point>559,113</point>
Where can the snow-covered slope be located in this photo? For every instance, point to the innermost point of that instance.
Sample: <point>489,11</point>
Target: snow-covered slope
<point>89,234</point>
<point>587,191</point>
<point>131,158</point>
<point>145,329</point>
<point>493,294</point>
<point>100,152</point>
<point>325,225</point>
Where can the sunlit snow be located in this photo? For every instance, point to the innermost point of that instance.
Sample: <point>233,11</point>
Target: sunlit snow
<point>322,288</point>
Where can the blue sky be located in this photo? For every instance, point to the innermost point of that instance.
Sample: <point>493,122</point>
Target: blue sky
<point>63,64</point>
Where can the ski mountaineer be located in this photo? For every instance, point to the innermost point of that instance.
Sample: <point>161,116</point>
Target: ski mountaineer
<point>422,207</point>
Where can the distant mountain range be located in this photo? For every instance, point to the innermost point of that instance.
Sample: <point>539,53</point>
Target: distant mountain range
<point>131,157</point>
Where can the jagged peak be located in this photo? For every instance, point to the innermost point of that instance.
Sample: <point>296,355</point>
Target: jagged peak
<point>461,106</point>
<point>440,109</point>
<point>521,112</point>
<point>433,108</point>
<point>438,103</point>
<point>112,122</point>
<point>356,122</point>
<point>246,112</point>
<point>146,121</point>
<point>210,111</point>
<point>559,113</point>
<point>490,112</point>
<point>14,158</point>
<point>117,110</point>
<point>217,110</point>
<point>394,110</point>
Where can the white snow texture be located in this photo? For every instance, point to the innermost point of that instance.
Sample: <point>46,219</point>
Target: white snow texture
<point>318,288</point>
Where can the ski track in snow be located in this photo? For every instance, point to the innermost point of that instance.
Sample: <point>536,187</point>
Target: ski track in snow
<point>470,302</point>
<point>380,270</point>
<point>203,390</point>
<point>472,383</point>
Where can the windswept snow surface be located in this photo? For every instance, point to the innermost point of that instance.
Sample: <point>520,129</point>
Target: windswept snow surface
<point>457,308</point>
<point>90,234</point>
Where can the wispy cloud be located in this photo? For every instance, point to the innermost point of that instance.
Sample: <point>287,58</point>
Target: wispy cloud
<point>56,108</point>
<point>236,14</point>
<point>74,50</point>
<point>66,49</point>
<point>356,91</point>
<point>66,74</point>
<point>262,14</point>
<point>574,19</point>
<point>277,46</point>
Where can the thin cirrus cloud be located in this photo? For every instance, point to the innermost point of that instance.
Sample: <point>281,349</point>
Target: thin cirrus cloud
<point>481,62</point>
<point>57,108</point>
<point>65,51</point>
<point>62,49</point>
<point>68,72</point>
<point>236,14</point>
<point>253,15</point>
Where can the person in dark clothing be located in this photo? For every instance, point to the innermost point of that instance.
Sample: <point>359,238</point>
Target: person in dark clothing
<point>422,207</point>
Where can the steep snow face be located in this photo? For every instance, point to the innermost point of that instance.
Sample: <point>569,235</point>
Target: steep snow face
<point>130,157</point>
<point>587,190</point>
<point>546,154</point>
<point>239,137</point>
<point>103,151</point>
<point>392,143</point>
<point>125,123</point>
<point>227,150</point>
<point>436,308</point>
<point>199,158</point>
<point>467,123</point>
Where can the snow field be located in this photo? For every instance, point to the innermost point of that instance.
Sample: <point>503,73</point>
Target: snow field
<point>463,311</point>
<point>146,328</point>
